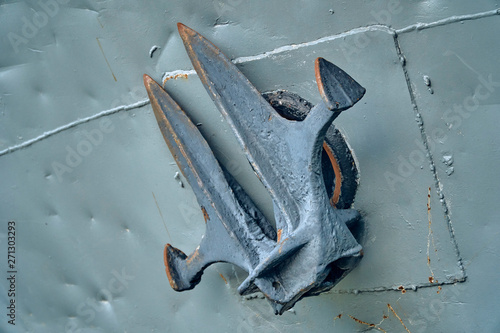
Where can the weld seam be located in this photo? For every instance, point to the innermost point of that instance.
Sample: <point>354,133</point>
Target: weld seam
<point>401,287</point>
<point>425,142</point>
<point>375,27</point>
<point>239,60</point>
<point>75,123</point>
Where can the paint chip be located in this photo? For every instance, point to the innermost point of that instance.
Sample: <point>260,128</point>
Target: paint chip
<point>427,80</point>
<point>152,50</point>
<point>177,177</point>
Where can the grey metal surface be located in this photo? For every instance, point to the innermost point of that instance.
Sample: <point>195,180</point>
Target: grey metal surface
<point>87,210</point>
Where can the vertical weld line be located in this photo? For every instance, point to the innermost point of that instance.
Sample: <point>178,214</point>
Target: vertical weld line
<point>423,135</point>
<point>429,235</point>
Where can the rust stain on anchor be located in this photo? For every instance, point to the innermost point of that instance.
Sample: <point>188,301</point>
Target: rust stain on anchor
<point>338,175</point>
<point>205,214</point>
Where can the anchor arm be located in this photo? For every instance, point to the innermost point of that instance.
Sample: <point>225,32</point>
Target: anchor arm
<point>250,116</point>
<point>236,231</point>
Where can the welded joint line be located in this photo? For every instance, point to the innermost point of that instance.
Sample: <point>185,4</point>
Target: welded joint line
<point>449,20</point>
<point>77,122</point>
<point>293,47</point>
<point>439,186</point>
<point>286,48</point>
<point>412,287</point>
<point>375,27</point>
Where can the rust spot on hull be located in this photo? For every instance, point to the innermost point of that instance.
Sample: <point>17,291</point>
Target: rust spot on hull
<point>223,278</point>
<point>175,77</point>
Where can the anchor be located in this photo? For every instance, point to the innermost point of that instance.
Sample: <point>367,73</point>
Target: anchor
<point>312,247</point>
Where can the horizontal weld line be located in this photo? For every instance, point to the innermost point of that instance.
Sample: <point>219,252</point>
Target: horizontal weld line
<point>407,287</point>
<point>57,130</point>
<point>286,48</point>
<point>239,60</point>
<point>376,27</point>
<point>451,19</point>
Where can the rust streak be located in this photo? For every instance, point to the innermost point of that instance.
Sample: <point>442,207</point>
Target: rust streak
<point>279,234</point>
<point>400,320</point>
<point>163,121</point>
<point>190,259</point>
<point>107,62</point>
<point>359,321</point>
<point>205,214</point>
<point>429,235</point>
<point>281,246</point>
<point>334,200</point>
<point>317,75</point>
<point>175,77</point>
<point>223,278</point>
<point>167,268</point>
<point>159,210</point>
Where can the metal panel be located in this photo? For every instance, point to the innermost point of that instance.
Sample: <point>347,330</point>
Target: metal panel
<point>93,193</point>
